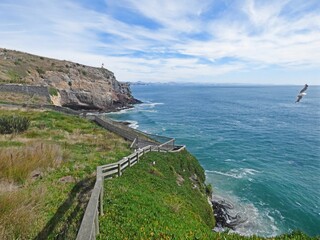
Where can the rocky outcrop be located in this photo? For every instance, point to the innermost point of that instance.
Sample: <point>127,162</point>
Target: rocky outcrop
<point>222,216</point>
<point>79,86</point>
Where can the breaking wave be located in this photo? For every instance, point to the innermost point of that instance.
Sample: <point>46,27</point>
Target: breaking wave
<point>237,173</point>
<point>254,220</point>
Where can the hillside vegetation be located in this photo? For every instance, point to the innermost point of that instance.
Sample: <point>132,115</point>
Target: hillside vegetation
<point>163,197</point>
<point>48,170</point>
<point>47,173</point>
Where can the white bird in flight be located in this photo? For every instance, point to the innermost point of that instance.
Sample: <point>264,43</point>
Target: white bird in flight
<point>302,93</point>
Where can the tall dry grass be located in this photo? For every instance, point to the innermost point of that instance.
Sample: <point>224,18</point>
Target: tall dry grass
<point>17,163</point>
<point>19,213</point>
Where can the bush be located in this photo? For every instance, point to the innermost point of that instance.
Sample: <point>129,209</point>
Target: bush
<point>13,124</point>
<point>53,91</point>
<point>209,190</point>
<point>13,76</point>
<point>40,70</point>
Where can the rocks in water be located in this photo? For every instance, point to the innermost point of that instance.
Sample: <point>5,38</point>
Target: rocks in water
<point>222,216</point>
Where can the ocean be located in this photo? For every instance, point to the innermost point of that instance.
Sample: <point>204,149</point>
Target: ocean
<point>260,150</point>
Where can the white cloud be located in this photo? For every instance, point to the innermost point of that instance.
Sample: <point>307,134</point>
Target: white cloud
<point>254,35</point>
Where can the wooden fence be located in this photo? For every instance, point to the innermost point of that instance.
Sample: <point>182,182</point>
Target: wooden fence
<point>90,223</point>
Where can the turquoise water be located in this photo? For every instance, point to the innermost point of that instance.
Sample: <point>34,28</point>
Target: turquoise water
<point>260,150</point>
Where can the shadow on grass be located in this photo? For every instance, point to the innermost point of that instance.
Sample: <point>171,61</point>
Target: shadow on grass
<point>65,223</point>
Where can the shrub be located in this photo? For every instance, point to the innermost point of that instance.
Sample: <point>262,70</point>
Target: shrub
<point>14,76</point>
<point>13,124</point>
<point>53,91</point>
<point>209,190</point>
<point>40,70</point>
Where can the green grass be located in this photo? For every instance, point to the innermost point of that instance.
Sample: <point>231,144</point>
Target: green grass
<point>46,207</point>
<point>146,202</point>
<point>6,144</point>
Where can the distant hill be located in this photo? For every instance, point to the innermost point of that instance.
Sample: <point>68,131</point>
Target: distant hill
<point>75,85</point>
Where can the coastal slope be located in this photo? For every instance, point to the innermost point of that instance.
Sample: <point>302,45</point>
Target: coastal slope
<point>71,84</point>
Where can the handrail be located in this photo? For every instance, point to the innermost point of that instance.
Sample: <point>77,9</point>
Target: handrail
<point>133,143</point>
<point>89,227</point>
<point>171,142</point>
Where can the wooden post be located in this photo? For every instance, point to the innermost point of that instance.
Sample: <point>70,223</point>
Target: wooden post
<point>137,156</point>
<point>129,162</point>
<point>100,178</point>
<point>119,170</point>
<point>101,197</point>
<point>96,223</point>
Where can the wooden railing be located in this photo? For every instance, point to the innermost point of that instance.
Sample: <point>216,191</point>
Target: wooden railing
<point>90,224</point>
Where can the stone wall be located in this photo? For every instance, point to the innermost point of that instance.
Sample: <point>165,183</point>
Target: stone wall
<point>26,89</point>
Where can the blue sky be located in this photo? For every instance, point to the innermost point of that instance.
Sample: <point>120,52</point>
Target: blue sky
<point>216,41</point>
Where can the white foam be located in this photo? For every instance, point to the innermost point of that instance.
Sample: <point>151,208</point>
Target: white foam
<point>149,104</point>
<point>122,111</point>
<point>229,160</point>
<point>258,221</point>
<point>237,173</point>
<point>143,107</point>
<point>133,124</point>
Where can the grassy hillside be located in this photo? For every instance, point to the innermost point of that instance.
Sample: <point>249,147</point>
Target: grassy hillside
<point>163,197</point>
<point>47,173</point>
<point>18,67</point>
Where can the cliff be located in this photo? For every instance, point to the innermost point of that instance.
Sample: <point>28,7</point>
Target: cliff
<point>78,86</point>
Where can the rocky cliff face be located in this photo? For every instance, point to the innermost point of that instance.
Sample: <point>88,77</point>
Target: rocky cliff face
<point>79,86</point>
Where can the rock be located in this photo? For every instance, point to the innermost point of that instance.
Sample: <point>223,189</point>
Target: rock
<point>67,179</point>
<point>6,187</point>
<point>223,218</point>
<point>35,174</point>
<point>180,179</point>
<point>195,181</point>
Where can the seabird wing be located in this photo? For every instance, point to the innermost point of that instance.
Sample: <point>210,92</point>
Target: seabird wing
<point>304,89</point>
<point>299,97</point>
